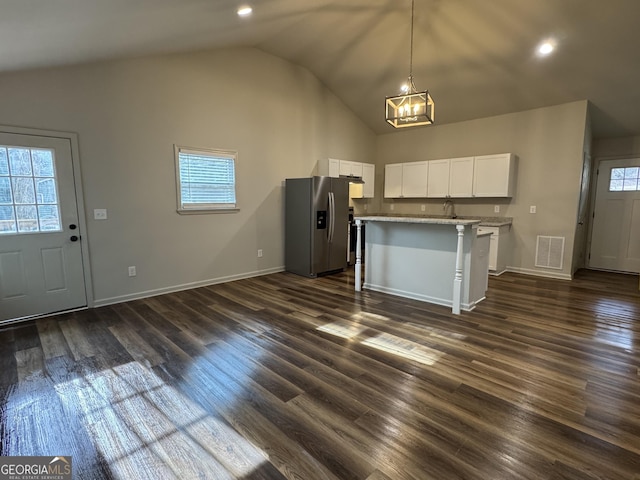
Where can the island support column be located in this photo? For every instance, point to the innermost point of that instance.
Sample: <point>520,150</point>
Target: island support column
<point>358,266</point>
<point>457,280</point>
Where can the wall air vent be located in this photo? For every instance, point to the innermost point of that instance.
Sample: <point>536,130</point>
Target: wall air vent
<point>549,252</point>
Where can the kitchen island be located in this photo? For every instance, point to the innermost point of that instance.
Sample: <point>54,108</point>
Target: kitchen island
<point>437,260</point>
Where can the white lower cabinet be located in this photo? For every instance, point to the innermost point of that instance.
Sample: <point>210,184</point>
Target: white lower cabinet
<point>499,245</point>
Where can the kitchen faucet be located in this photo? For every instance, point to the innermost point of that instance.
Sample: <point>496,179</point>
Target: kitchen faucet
<point>449,203</point>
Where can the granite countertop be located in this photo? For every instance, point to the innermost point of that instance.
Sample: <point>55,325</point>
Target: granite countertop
<point>417,219</point>
<point>437,219</point>
<point>495,221</point>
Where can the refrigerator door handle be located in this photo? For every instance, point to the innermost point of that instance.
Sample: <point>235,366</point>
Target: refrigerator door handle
<point>331,216</point>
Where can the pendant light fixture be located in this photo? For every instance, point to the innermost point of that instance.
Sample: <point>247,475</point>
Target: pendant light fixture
<point>411,108</point>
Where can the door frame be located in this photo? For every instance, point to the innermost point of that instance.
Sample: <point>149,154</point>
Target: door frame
<point>77,183</point>
<point>592,203</point>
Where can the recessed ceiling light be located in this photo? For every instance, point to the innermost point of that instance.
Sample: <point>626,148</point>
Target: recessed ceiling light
<point>245,10</point>
<point>546,48</point>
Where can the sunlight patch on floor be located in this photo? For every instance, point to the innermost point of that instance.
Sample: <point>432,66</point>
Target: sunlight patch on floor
<point>343,329</point>
<point>386,342</point>
<point>145,428</point>
<point>404,348</point>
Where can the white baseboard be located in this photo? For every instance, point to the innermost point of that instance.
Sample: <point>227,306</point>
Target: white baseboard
<point>423,298</point>
<point>185,286</point>
<point>539,273</point>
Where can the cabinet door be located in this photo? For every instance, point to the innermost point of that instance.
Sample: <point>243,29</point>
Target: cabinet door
<point>356,169</point>
<point>345,167</point>
<point>438,178</point>
<point>393,180</point>
<point>414,179</point>
<point>461,177</point>
<point>369,179</point>
<point>494,175</point>
<point>493,245</point>
<point>334,167</point>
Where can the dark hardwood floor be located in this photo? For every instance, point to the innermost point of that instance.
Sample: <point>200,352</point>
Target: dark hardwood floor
<point>286,377</point>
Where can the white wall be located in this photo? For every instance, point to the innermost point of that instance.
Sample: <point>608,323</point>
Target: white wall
<point>616,147</point>
<point>128,114</point>
<point>549,143</point>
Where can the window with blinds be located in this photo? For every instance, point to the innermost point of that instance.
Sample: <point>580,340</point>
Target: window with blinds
<point>206,180</point>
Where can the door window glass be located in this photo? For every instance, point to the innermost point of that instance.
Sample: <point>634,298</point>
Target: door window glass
<point>28,191</point>
<point>625,179</point>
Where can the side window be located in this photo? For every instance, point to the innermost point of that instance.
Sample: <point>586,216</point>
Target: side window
<point>624,179</point>
<point>28,191</point>
<point>206,180</point>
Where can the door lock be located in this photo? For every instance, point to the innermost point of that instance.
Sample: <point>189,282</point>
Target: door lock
<point>74,238</point>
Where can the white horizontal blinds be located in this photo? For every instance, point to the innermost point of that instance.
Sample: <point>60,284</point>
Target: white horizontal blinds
<point>207,179</point>
<point>28,191</point>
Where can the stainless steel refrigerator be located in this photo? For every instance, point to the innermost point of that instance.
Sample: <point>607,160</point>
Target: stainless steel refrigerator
<point>316,225</point>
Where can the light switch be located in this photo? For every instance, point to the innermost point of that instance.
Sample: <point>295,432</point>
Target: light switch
<point>532,209</point>
<point>99,213</point>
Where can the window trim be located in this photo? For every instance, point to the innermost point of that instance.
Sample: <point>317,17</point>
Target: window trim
<point>197,209</point>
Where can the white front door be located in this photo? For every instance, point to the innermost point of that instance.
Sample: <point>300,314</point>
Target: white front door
<point>615,239</point>
<point>41,268</point>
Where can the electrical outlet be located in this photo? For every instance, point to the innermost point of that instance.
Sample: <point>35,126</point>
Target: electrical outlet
<point>365,206</point>
<point>391,207</point>
<point>259,253</point>
<point>532,209</point>
<point>99,213</point>
<point>423,208</point>
<point>496,209</point>
<point>132,271</point>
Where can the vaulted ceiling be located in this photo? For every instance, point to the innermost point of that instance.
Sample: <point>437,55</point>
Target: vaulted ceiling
<point>476,57</point>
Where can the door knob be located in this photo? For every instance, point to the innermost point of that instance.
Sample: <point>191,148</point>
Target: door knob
<point>74,238</point>
<point>73,226</point>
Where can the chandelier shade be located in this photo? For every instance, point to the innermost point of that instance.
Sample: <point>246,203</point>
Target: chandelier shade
<point>412,107</point>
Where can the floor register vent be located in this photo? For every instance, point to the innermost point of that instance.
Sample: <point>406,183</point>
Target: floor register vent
<point>549,252</point>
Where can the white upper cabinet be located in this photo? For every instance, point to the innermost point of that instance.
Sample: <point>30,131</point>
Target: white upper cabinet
<point>414,179</point>
<point>364,190</point>
<point>393,180</point>
<point>350,169</point>
<point>461,177</point>
<point>405,180</point>
<point>438,184</point>
<point>464,177</point>
<point>369,179</point>
<point>334,167</point>
<point>494,175</point>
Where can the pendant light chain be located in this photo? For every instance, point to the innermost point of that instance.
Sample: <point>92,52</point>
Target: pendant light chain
<point>411,85</point>
<point>410,107</point>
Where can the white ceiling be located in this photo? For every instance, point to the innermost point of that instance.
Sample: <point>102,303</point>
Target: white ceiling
<point>476,57</point>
